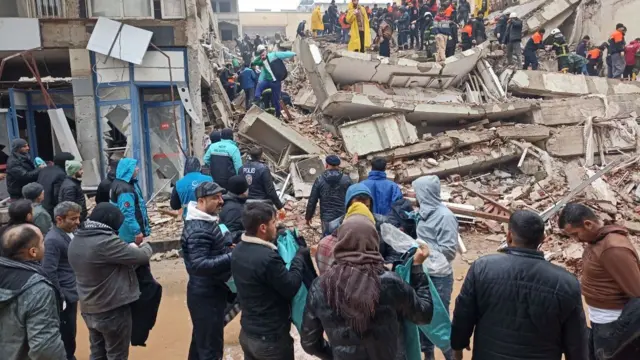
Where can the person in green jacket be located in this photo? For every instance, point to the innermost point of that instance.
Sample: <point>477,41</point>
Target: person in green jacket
<point>223,158</point>
<point>267,78</point>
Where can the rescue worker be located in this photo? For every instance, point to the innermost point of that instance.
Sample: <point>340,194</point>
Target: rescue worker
<point>359,21</point>
<point>501,27</point>
<point>479,31</point>
<point>259,178</point>
<point>127,196</point>
<point>429,36</point>
<point>583,46</point>
<point>466,37</point>
<point>630,52</point>
<point>464,9</point>
<point>185,190</point>
<point>534,44</point>
<point>317,27</point>
<point>442,33</point>
<point>345,27</point>
<point>513,39</point>
<point>414,16</point>
<point>224,158</point>
<point>449,11</point>
<point>333,16</point>
<point>616,51</point>
<point>272,73</point>
<point>452,41</point>
<point>300,30</point>
<point>557,43</point>
<point>594,58</point>
<point>422,23</point>
<point>403,29</point>
<point>577,64</point>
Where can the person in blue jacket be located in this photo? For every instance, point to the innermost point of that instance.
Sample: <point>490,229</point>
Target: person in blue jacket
<point>224,158</point>
<point>385,192</point>
<point>267,78</point>
<point>127,196</point>
<point>185,190</point>
<point>247,78</point>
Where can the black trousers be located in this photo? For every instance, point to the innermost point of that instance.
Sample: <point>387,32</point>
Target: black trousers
<point>207,316</point>
<point>110,333</point>
<point>385,50</point>
<point>266,348</point>
<point>415,39</point>
<point>68,321</point>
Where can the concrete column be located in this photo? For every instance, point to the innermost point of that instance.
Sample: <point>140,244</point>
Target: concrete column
<point>195,78</point>
<point>85,110</point>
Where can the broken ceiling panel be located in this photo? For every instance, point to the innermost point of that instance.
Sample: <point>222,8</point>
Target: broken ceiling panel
<point>118,40</point>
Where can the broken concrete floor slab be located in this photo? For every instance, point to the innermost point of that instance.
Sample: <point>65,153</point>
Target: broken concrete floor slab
<point>550,11</point>
<point>569,141</point>
<point>554,84</point>
<point>273,134</point>
<point>529,133</point>
<point>572,111</point>
<point>347,67</point>
<point>417,94</point>
<point>311,59</point>
<point>378,133</point>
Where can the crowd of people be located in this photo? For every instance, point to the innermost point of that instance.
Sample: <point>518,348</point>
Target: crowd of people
<point>515,304</point>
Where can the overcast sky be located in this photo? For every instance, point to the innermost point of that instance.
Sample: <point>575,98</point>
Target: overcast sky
<point>251,5</point>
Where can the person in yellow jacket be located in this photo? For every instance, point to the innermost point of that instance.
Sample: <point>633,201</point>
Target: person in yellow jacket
<point>360,33</point>
<point>317,27</point>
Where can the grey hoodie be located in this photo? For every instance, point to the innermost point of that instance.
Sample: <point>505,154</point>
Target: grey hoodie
<point>437,225</point>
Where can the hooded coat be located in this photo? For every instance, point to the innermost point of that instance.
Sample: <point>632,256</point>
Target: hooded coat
<point>330,189</point>
<point>437,226</point>
<point>224,160</point>
<point>185,190</point>
<point>316,20</point>
<point>102,194</point>
<point>127,196</point>
<point>385,192</point>
<point>20,170</point>
<point>51,177</point>
<point>354,42</point>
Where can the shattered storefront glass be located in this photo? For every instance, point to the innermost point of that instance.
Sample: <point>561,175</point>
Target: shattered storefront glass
<point>166,157</point>
<point>116,129</point>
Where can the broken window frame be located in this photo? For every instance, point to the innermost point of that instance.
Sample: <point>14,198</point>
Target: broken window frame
<point>168,17</point>
<point>122,10</point>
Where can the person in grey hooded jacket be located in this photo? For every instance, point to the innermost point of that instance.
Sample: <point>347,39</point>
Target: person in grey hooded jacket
<point>438,227</point>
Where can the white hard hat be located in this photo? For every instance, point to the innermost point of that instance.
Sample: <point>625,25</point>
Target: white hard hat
<point>261,48</point>
<point>513,15</point>
<point>555,31</point>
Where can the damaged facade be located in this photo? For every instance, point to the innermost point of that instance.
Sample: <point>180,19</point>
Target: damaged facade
<point>113,108</point>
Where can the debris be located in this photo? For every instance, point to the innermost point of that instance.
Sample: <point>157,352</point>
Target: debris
<point>377,133</point>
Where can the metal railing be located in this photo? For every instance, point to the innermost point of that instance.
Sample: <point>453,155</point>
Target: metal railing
<point>46,8</point>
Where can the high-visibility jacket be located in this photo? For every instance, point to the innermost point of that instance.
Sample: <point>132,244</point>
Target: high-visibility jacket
<point>343,22</point>
<point>616,42</point>
<point>594,54</point>
<point>449,11</point>
<point>467,35</point>
<point>534,43</point>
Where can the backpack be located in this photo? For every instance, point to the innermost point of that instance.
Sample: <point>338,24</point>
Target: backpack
<point>278,69</point>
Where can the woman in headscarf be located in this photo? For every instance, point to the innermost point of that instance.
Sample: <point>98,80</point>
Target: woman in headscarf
<point>358,303</point>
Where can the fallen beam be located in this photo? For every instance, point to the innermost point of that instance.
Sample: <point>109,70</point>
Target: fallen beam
<point>486,198</point>
<point>377,133</point>
<point>528,133</point>
<point>569,142</point>
<point>479,214</point>
<point>572,111</point>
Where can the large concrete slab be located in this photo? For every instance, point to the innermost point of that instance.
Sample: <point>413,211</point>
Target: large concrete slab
<point>311,59</point>
<point>347,67</point>
<point>378,133</point>
<point>556,85</point>
<point>348,105</point>
<point>273,134</point>
<point>415,93</point>
<point>549,11</point>
<point>529,133</point>
<point>569,141</point>
<point>572,111</point>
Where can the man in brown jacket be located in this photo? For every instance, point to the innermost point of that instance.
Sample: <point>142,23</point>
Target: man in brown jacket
<point>610,282</point>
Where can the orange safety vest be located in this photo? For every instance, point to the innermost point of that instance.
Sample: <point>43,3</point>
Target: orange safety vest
<point>537,38</point>
<point>617,36</point>
<point>468,29</point>
<point>449,11</point>
<point>594,54</point>
<point>342,21</point>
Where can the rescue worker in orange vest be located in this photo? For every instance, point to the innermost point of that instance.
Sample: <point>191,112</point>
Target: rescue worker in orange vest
<point>466,37</point>
<point>533,44</point>
<point>448,12</point>
<point>344,26</point>
<point>594,56</point>
<point>616,50</point>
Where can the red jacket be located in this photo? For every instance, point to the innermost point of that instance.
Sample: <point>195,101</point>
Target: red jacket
<point>630,52</point>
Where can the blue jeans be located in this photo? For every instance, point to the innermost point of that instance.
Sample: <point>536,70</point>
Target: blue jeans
<point>345,36</point>
<point>275,87</point>
<point>444,286</point>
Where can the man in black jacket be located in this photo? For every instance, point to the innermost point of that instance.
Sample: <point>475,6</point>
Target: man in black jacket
<point>234,200</point>
<point>51,177</point>
<point>56,265</point>
<point>265,287</point>
<point>102,194</point>
<point>259,179</point>
<point>513,38</point>
<point>71,188</point>
<point>519,292</point>
<point>208,261</point>
<point>20,168</point>
<point>330,188</point>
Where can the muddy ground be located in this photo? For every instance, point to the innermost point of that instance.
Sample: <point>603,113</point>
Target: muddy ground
<point>171,336</point>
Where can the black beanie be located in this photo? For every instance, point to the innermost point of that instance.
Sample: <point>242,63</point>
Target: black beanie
<point>108,214</point>
<point>215,136</point>
<point>237,185</point>
<point>61,159</point>
<point>227,134</point>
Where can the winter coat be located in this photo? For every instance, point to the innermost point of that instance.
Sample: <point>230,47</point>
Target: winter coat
<point>437,226</point>
<point>265,73</point>
<point>231,215</point>
<point>102,194</point>
<point>384,340</point>
<point>224,160</point>
<point>354,42</point>
<point>265,286</point>
<point>581,49</point>
<point>479,31</point>
<point>385,192</point>
<point>104,267</point>
<point>41,219</point>
<point>51,178</point>
<point>316,20</point>
<point>404,22</point>
<point>247,79</point>
<point>501,29</point>
<point>330,189</point>
<point>300,30</point>
<point>71,190</point>
<point>260,182</point>
<point>56,264</point>
<point>630,52</point>
<point>207,256</point>
<point>29,313</point>
<point>127,195</point>
<point>514,31</point>
<point>519,292</point>
<point>20,172</point>
<point>144,311</point>
<point>185,190</point>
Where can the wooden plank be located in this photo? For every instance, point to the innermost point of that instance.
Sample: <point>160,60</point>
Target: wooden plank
<point>479,214</point>
<point>486,198</point>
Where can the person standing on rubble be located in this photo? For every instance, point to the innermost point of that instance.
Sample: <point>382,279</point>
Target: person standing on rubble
<point>247,78</point>
<point>273,71</point>
<point>414,16</point>
<point>513,39</point>
<point>616,51</point>
<point>442,32</point>
<point>429,36</point>
<point>20,169</point>
<point>558,43</point>
<point>360,32</point>
<point>326,22</point>
<point>464,9</point>
<point>466,37</point>
<point>385,33</point>
<point>404,24</point>
<point>438,227</point>
<point>610,282</point>
<point>479,30</point>
<point>385,192</point>
<point>71,188</point>
<point>259,179</point>
<point>452,41</point>
<point>224,158</point>
<point>534,44</point>
<point>583,46</point>
<point>51,177</point>
<point>630,52</point>
<point>317,26</point>
<point>127,196</point>
<point>594,58</point>
<point>520,281</point>
<point>501,28</point>
<point>333,16</point>
<point>185,190</point>
<point>330,189</point>
<point>424,9</point>
<point>345,27</point>
<point>300,31</point>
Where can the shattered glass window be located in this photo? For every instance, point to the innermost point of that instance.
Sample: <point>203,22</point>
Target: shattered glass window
<point>59,98</point>
<point>165,154</point>
<point>116,129</point>
<point>110,93</point>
